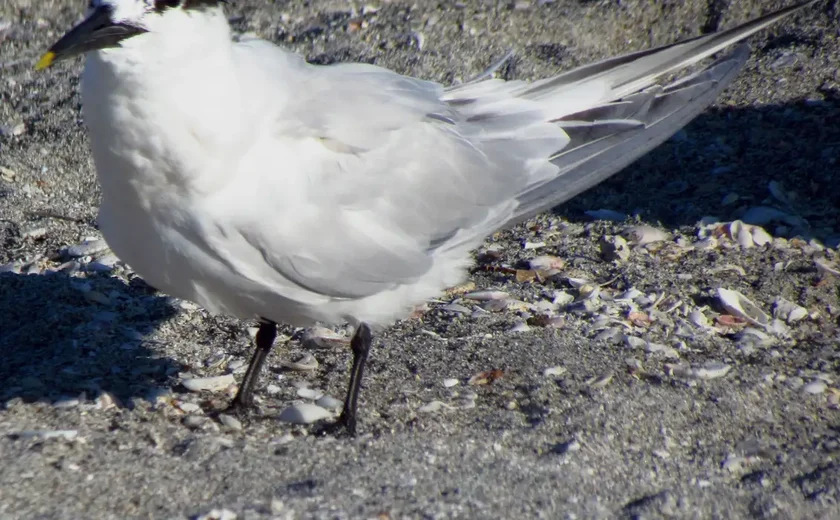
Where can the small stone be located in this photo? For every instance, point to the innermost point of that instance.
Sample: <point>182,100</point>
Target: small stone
<point>230,422</point>
<point>303,413</point>
<point>554,371</point>
<point>190,408</point>
<point>194,422</point>
<point>432,406</point>
<point>217,514</point>
<point>309,393</point>
<point>487,295</point>
<point>599,381</point>
<point>329,402</point>
<point>450,382</point>
<point>815,387</point>
<point>67,402</point>
<point>212,384</point>
<point>520,326</point>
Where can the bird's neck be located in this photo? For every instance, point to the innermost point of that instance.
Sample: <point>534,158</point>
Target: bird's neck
<point>169,98</point>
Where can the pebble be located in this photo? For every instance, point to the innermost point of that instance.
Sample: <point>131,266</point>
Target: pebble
<point>305,363</point>
<point>237,365</point>
<point>710,370</point>
<point>554,371</point>
<point>815,387</point>
<point>273,389</point>
<point>68,402</point>
<point>190,408</point>
<point>487,295</point>
<point>309,393</point>
<point>329,402</point>
<point>450,382</point>
<point>7,174</point>
<point>304,413</point>
<point>788,311</point>
<point>665,350</point>
<point>230,422</point>
<point>520,326</point>
<point>212,384</point>
<point>456,308</point>
<point>599,381</point>
<point>194,422</point>
<point>217,514</point>
<point>432,406</point>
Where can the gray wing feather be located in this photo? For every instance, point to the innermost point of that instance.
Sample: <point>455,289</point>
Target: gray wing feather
<point>410,170</point>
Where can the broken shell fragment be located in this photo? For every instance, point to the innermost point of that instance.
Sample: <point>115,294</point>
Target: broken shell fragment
<point>642,235</point>
<point>740,306</point>
<point>788,311</point>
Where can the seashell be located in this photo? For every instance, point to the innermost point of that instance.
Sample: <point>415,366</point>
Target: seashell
<point>303,413</point>
<point>546,263</point>
<point>826,267</point>
<point>641,235</point>
<point>322,337</point>
<point>212,384</point>
<point>487,295</point>
<point>739,305</point>
<point>788,311</point>
<point>759,236</point>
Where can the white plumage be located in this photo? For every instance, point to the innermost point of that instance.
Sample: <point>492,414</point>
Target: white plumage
<point>238,176</point>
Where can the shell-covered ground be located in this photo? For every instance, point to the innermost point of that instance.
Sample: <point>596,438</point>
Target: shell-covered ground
<point>664,345</point>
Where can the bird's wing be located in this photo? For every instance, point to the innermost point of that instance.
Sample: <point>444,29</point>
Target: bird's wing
<point>407,170</point>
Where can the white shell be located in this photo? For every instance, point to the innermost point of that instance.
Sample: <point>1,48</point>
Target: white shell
<point>788,311</point>
<point>739,305</point>
<point>303,413</point>
<point>487,295</point>
<point>641,235</point>
<point>212,384</point>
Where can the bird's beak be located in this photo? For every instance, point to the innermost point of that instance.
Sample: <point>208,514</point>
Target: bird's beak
<point>96,32</point>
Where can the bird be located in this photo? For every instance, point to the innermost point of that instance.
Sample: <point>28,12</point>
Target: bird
<point>237,175</point>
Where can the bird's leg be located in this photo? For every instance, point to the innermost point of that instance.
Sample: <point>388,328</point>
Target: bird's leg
<point>360,345</point>
<point>265,340</point>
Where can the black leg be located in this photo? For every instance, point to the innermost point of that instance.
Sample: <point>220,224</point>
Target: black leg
<point>265,340</point>
<point>360,344</point>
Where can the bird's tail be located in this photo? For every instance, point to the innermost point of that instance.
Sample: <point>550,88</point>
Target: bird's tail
<point>627,113</point>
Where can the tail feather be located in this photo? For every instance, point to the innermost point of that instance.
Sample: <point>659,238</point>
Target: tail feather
<point>628,114</point>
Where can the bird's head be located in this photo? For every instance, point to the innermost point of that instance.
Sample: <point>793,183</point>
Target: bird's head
<point>109,22</point>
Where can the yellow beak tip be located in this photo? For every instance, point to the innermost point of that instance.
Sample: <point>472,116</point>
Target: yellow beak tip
<point>45,61</point>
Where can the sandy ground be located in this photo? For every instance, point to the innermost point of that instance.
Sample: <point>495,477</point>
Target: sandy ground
<point>95,423</point>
